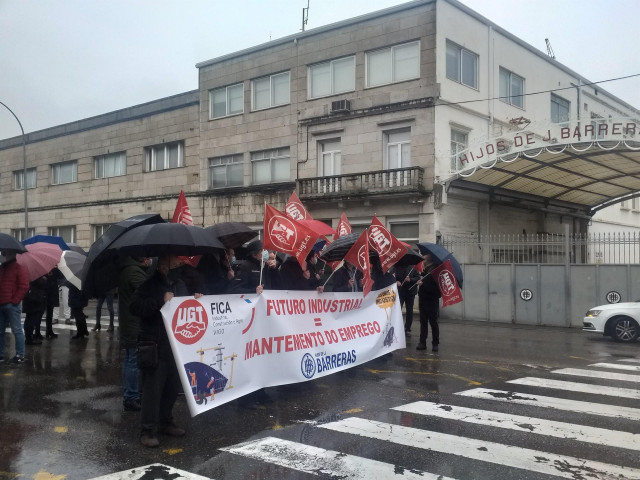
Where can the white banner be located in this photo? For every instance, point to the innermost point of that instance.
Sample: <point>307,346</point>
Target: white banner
<point>227,346</point>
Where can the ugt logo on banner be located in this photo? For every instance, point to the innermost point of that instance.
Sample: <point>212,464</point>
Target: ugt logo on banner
<point>189,322</point>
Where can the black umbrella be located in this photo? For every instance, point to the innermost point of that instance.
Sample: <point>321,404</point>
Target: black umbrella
<point>441,255</point>
<point>70,266</point>
<point>100,273</point>
<point>10,244</point>
<point>232,234</point>
<point>337,249</point>
<point>163,239</point>
<point>409,259</point>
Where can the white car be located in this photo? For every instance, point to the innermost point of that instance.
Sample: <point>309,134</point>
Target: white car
<point>618,320</point>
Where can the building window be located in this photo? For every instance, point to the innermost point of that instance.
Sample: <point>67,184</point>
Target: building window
<point>330,78</point>
<point>559,109</point>
<point>65,172</point>
<point>596,121</point>
<point>98,230</point>
<point>18,176</point>
<point>459,143</point>
<point>110,165</point>
<point>397,149</point>
<point>407,232</point>
<point>226,101</point>
<point>68,233</point>
<point>271,91</point>
<point>226,171</point>
<point>462,65</point>
<point>18,233</point>
<point>271,166</point>
<point>393,64</point>
<point>511,88</point>
<point>162,157</point>
<point>330,158</point>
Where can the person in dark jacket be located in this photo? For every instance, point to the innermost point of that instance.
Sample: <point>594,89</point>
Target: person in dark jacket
<point>34,304</point>
<point>380,278</point>
<point>14,284</point>
<point>292,277</point>
<point>132,274</point>
<point>247,279</point>
<point>77,302</point>
<point>52,300</point>
<point>429,305</point>
<point>406,278</point>
<point>347,279</point>
<point>160,383</point>
<point>217,272</point>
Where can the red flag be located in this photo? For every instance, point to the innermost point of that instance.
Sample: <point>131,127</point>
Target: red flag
<point>358,255</point>
<point>288,236</point>
<point>182,214</point>
<point>446,280</point>
<point>344,227</point>
<point>295,210</point>
<point>388,247</point>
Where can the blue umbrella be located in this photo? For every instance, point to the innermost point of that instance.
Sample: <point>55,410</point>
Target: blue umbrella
<point>47,239</point>
<point>441,255</point>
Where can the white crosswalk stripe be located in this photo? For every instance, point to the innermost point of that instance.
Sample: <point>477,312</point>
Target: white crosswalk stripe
<point>615,366</point>
<point>578,372</point>
<point>549,460</point>
<point>519,423</point>
<point>577,387</point>
<point>314,460</point>
<point>631,360</point>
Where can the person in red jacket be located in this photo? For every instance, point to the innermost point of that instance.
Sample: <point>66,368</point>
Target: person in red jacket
<point>14,284</point>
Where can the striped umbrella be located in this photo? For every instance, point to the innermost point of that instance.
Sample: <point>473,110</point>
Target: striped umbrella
<point>70,265</point>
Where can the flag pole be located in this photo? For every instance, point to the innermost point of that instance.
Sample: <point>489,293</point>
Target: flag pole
<point>334,271</point>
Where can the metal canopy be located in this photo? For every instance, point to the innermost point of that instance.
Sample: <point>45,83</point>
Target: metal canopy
<point>588,176</point>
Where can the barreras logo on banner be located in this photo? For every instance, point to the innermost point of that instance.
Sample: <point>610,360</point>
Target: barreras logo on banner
<point>388,247</point>
<point>447,283</point>
<point>295,210</point>
<point>287,236</point>
<point>182,214</point>
<point>358,255</point>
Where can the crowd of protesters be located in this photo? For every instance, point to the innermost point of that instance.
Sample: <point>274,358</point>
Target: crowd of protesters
<point>151,382</point>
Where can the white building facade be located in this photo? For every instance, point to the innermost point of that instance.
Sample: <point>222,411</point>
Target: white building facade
<point>364,116</point>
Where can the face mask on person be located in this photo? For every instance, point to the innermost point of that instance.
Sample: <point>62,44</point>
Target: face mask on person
<point>265,255</point>
<point>233,259</point>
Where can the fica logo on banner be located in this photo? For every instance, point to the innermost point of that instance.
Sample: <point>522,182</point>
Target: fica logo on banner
<point>282,233</point>
<point>189,322</point>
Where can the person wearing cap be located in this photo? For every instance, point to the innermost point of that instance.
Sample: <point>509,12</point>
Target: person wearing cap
<point>14,285</point>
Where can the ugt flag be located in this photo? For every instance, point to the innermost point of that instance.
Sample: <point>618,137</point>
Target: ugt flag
<point>388,247</point>
<point>446,280</point>
<point>344,227</point>
<point>358,255</point>
<point>287,236</point>
<point>294,208</point>
<point>182,214</point>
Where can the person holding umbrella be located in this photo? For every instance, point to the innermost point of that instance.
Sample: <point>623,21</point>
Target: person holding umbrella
<point>34,304</point>
<point>14,284</point>
<point>160,378</point>
<point>429,305</point>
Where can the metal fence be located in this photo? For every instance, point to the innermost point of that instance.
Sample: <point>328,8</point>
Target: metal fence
<point>546,248</point>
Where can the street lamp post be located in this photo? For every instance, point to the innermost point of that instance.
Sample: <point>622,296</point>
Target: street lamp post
<point>24,172</point>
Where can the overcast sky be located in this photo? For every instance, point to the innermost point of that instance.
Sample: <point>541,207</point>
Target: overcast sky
<point>66,60</point>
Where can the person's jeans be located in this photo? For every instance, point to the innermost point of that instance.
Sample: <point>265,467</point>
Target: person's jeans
<point>130,380</point>
<point>109,299</point>
<point>11,314</point>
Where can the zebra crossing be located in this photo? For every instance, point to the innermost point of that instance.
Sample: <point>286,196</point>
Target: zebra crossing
<point>581,427</point>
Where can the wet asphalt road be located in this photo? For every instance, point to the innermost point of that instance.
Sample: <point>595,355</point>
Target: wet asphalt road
<point>61,414</point>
